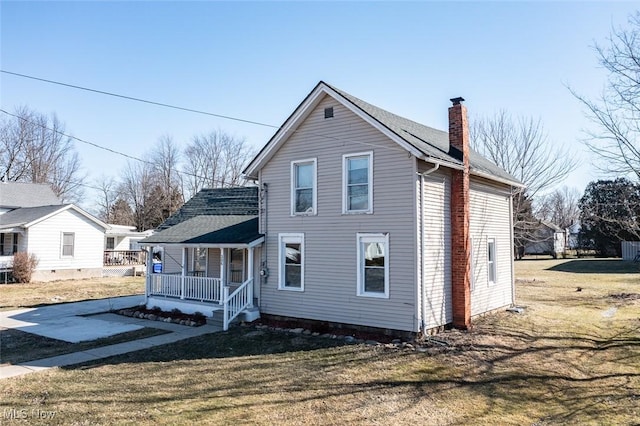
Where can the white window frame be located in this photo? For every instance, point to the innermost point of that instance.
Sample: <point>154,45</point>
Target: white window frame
<point>361,238</point>
<point>283,239</point>
<point>62,245</point>
<point>345,175</point>
<point>492,266</point>
<point>194,259</point>
<point>314,207</point>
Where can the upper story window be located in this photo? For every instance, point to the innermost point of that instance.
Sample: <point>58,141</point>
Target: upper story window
<point>68,240</point>
<point>303,187</point>
<point>357,177</point>
<point>373,265</point>
<point>491,260</point>
<point>291,262</point>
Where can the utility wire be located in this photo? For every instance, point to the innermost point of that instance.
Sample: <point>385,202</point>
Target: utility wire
<point>131,157</point>
<point>131,98</point>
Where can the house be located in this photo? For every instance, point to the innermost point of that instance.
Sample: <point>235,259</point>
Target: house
<point>547,239</point>
<point>360,218</point>
<point>123,255</point>
<point>67,241</point>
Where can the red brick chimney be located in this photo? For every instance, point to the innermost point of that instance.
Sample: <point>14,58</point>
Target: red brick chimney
<point>460,238</point>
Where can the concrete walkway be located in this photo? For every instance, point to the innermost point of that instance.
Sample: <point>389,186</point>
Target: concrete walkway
<point>50,318</point>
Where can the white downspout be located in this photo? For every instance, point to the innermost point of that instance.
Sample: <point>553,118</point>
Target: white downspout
<point>422,237</point>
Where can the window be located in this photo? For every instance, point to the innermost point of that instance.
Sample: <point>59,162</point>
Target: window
<point>291,261</point>
<point>357,176</point>
<point>373,265</point>
<point>14,248</point>
<point>199,257</point>
<point>491,260</point>
<point>111,243</point>
<point>303,187</point>
<point>67,244</point>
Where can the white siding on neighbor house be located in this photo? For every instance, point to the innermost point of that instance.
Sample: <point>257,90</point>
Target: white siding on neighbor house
<point>45,241</point>
<point>490,219</point>
<point>330,282</point>
<point>436,303</point>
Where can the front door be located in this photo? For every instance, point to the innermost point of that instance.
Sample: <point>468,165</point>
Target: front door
<point>236,266</point>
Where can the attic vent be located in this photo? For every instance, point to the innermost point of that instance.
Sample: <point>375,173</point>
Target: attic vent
<point>328,112</point>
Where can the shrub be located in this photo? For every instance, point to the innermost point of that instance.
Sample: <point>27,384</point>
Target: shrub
<point>23,266</point>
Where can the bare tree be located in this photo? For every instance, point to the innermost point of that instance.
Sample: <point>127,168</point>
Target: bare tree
<point>107,195</point>
<point>560,207</point>
<point>616,113</point>
<point>520,146</point>
<point>215,160</point>
<point>35,149</point>
<point>136,186</point>
<point>165,158</point>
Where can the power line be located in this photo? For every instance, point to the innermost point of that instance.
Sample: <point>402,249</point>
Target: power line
<point>131,98</point>
<point>113,150</point>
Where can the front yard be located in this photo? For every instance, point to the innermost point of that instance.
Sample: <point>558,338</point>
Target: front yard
<point>572,356</point>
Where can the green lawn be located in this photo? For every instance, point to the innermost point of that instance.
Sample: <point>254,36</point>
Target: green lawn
<point>572,357</point>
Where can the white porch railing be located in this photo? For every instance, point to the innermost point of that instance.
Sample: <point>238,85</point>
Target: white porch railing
<point>203,289</point>
<point>236,302</point>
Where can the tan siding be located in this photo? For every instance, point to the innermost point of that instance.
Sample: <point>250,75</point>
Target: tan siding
<point>330,237</point>
<point>490,219</point>
<point>45,241</point>
<point>436,296</point>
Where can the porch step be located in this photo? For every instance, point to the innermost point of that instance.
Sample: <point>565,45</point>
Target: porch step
<point>249,315</point>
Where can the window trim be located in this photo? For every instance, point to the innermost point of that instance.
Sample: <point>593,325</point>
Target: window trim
<point>73,245</point>
<point>362,237</point>
<point>314,188</point>
<point>283,239</point>
<point>345,192</point>
<point>492,265</point>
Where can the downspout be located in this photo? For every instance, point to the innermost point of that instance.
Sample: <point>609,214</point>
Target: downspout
<point>422,237</point>
<point>513,279</point>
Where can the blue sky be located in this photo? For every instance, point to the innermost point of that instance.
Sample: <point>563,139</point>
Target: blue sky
<point>257,61</point>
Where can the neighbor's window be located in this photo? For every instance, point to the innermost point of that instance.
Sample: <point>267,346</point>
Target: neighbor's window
<point>357,176</point>
<point>291,261</point>
<point>67,243</point>
<point>303,187</point>
<point>111,243</point>
<point>491,260</point>
<point>373,265</point>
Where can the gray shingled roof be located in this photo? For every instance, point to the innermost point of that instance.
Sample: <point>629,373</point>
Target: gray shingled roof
<point>213,216</point>
<point>20,217</point>
<point>22,194</point>
<point>227,229</point>
<point>431,142</point>
<point>216,202</point>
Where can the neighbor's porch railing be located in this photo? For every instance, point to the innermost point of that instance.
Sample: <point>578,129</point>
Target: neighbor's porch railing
<point>236,302</point>
<point>124,257</point>
<point>202,289</point>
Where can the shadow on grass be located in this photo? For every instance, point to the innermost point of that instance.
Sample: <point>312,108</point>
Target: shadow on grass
<point>499,372</point>
<point>597,266</point>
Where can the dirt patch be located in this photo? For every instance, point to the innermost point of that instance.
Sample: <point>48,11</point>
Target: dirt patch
<point>625,296</point>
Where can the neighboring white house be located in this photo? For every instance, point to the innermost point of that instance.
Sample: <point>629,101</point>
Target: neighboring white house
<point>360,218</point>
<point>548,239</point>
<point>123,254</point>
<point>67,241</point>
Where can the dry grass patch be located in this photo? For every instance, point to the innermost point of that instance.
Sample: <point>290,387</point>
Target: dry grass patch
<point>560,362</point>
<point>13,296</point>
<point>18,346</point>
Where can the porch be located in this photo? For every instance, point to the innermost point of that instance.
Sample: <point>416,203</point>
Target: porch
<point>224,287</point>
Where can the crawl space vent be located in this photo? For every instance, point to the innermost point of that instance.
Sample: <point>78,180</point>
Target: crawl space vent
<point>328,112</point>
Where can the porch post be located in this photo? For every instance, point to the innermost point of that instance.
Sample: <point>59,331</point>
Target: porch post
<point>183,271</point>
<point>250,276</point>
<point>223,274</point>
<point>148,277</point>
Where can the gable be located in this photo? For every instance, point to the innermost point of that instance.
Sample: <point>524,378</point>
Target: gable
<point>421,141</point>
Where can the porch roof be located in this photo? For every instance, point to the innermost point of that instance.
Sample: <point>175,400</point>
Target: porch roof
<point>209,229</point>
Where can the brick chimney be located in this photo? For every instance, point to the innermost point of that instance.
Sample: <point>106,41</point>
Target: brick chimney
<point>460,237</point>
